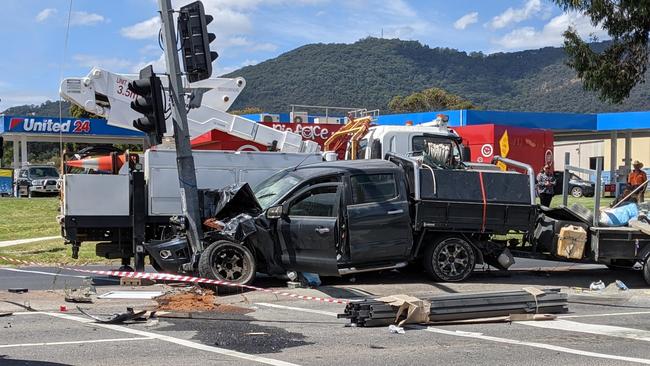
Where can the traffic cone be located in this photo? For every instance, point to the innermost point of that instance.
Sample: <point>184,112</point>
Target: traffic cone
<point>100,163</point>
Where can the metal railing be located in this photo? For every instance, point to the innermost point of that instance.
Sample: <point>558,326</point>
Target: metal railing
<point>520,165</point>
<point>598,172</point>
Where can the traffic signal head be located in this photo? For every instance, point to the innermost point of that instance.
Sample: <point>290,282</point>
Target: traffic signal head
<point>195,41</point>
<point>149,101</point>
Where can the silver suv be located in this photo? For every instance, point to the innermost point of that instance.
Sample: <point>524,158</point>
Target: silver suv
<point>37,180</point>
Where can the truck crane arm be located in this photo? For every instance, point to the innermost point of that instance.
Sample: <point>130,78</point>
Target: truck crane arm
<point>105,94</point>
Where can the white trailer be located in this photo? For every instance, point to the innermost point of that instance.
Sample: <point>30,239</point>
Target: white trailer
<point>106,208</point>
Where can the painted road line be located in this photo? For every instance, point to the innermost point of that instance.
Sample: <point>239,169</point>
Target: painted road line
<point>313,311</point>
<point>549,347</point>
<point>42,273</point>
<point>598,329</point>
<point>603,315</point>
<point>177,341</point>
<point>75,342</point>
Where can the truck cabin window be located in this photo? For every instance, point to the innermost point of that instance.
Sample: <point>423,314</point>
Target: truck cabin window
<point>319,202</point>
<point>361,149</point>
<point>437,152</point>
<point>368,188</point>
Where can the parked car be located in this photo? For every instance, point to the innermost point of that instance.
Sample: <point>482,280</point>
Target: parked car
<point>37,179</point>
<point>578,187</point>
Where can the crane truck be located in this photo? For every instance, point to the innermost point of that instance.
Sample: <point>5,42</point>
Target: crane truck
<point>122,210</point>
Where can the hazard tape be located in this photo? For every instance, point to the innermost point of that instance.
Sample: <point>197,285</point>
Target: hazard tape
<point>180,278</point>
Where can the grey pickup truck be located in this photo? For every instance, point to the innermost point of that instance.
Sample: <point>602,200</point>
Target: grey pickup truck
<point>342,217</point>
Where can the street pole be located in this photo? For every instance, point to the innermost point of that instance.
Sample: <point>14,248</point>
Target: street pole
<point>184,159</point>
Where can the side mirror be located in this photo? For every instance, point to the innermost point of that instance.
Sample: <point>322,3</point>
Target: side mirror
<point>466,154</point>
<point>274,213</point>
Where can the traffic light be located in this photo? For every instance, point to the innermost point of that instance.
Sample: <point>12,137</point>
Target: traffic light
<point>195,41</point>
<point>149,101</point>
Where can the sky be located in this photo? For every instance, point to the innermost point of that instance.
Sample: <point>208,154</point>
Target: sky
<point>122,35</point>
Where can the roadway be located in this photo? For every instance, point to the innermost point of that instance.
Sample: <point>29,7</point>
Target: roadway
<point>611,328</point>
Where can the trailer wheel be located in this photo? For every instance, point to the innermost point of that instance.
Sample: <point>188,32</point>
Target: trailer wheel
<point>450,259</point>
<point>227,261</point>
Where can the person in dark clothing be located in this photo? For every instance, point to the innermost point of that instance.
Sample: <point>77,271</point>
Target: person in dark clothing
<point>545,186</point>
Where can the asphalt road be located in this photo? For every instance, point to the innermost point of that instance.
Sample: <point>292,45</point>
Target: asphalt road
<point>612,328</point>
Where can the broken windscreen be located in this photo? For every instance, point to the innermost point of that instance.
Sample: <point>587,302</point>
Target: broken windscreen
<point>276,186</point>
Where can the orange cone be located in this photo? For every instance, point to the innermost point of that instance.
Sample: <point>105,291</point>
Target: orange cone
<point>100,163</point>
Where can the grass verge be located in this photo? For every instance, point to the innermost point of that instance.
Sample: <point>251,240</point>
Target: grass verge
<point>23,218</point>
<point>53,251</point>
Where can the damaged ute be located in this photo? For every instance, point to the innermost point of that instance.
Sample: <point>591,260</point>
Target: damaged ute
<point>336,218</point>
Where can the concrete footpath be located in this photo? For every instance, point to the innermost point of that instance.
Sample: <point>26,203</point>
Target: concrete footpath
<point>8,243</point>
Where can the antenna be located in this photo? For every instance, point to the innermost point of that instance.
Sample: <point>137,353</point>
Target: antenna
<point>302,161</point>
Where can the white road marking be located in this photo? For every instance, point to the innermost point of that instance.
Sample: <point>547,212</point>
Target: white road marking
<point>314,311</point>
<point>603,315</point>
<point>75,342</point>
<point>178,341</point>
<point>41,273</point>
<point>599,329</point>
<point>537,345</point>
<point>24,312</point>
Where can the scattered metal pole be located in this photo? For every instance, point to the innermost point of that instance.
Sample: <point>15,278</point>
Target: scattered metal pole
<point>184,159</point>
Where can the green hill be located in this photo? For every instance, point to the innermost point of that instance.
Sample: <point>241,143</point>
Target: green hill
<point>368,73</point>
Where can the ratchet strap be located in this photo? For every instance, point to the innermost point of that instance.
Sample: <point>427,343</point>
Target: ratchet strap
<point>480,178</point>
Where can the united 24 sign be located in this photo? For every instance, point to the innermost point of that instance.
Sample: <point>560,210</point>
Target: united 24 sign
<point>67,126</point>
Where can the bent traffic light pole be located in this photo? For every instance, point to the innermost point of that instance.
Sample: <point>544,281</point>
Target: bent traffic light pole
<point>184,158</point>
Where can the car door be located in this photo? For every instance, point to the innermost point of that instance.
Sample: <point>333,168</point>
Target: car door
<point>379,225</point>
<point>308,231</point>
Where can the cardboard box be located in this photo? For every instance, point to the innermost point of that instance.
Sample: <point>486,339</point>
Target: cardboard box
<point>571,242</point>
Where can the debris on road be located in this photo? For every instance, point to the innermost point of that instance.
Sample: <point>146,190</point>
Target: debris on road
<point>78,295</point>
<point>129,315</point>
<point>597,286</point>
<point>402,309</point>
<point>18,290</point>
<point>195,299</point>
<point>621,286</point>
<point>395,329</point>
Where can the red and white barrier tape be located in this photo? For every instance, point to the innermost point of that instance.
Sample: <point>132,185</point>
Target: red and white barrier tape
<point>179,278</point>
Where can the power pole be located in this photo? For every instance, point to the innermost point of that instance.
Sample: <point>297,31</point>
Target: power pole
<point>184,159</point>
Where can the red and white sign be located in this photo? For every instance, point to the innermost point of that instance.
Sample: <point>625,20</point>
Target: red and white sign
<point>217,140</point>
<point>487,150</point>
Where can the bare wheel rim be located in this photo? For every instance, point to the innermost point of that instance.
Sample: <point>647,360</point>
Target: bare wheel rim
<point>230,264</point>
<point>453,259</point>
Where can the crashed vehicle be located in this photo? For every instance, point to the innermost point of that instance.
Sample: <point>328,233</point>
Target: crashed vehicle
<point>342,217</point>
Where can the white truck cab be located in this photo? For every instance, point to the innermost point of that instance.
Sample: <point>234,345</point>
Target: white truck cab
<point>405,140</point>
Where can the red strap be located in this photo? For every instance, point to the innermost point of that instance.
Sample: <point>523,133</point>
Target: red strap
<point>480,177</point>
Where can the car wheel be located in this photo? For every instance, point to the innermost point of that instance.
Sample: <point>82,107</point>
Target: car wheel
<point>450,259</point>
<point>576,192</point>
<point>226,261</point>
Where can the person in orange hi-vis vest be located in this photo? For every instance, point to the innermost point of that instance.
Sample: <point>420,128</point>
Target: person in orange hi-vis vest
<point>636,178</point>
